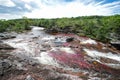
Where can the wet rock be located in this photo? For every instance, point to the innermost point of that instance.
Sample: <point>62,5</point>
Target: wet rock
<point>69,39</point>
<point>7,35</point>
<point>1,69</point>
<point>115,40</point>
<point>52,30</point>
<point>116,44</point>
<point>29,77</point>
<point>5,46</point>
<point>4,66</point>
<point>19,65</point>
<point>1,41</point>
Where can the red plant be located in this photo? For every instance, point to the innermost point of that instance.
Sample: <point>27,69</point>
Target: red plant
<point>72,60</point>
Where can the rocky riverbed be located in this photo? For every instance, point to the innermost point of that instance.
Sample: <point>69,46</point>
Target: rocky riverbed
<point>36,55</point>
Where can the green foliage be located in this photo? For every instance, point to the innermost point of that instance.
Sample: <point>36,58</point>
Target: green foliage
<point>3,26</point>
<point>96,27</point>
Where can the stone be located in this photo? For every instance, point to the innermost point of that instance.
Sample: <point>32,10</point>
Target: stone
<point>52,30</point>
<point>7,35</point>
<point>116,44</point>
<point>1,41</point>
<point>4,66</point>
<point>1,69</point>
<point>69,39</point>
<point>5,46</point>
<point>29,77</point>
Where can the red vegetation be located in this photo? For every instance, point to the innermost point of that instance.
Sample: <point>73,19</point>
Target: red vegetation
<point>72,60</point>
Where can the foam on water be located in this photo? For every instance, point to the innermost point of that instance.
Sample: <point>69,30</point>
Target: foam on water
<point>44,58</point>
<point>94,53</point>
<point>116,66</point>
<point>37,28</point>
<point>48,38</point>
<point>88,41</point>
<point>67,50</point>
<point>64,49</point>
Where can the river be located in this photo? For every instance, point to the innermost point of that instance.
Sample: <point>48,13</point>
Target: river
<point>82,55</point>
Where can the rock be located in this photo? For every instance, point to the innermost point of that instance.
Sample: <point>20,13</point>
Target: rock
<point>5,46</point>
<point>1,41</point>
<point>29,77</point>
<point>1,69</point>
<point>69,39</point>
<point>52,30</point>
<point>115,40</point>
<point>4,66</point>
<point>116,44</point>
<point>7,35</point>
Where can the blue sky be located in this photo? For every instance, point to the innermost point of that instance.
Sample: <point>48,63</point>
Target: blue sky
<point>109,1</point>
<point>10,9</point>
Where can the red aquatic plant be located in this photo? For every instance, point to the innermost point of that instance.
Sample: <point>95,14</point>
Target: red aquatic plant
<point>72,60</point>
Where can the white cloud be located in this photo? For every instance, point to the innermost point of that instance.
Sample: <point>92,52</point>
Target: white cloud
<point>27,1</point>
<point>60,8</point>
<point>73,9</point>
<point>7,3</point>
<point>9,16</point>
<point>28,6</point>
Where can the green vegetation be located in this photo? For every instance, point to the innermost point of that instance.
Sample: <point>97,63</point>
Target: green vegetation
<point>96,27</point>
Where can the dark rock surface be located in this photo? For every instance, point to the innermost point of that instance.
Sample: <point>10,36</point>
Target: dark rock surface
<point>5,46</point>
<point>69,39</point>
<point>7,35</point>
<point>5,65</point>
<point>52,30</point>
<point>116,44</point>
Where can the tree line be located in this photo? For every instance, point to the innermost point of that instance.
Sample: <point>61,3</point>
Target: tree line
<point>103,28</point>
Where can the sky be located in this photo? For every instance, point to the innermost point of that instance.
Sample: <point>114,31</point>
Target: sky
<point>12,9</point>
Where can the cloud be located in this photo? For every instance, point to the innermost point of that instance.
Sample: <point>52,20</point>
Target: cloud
<point>10,11</point>
<point>53,8</point>
<point>28,6</point>
<point>60,8</point>
<point>7,3</point>
<point>9,16</point>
